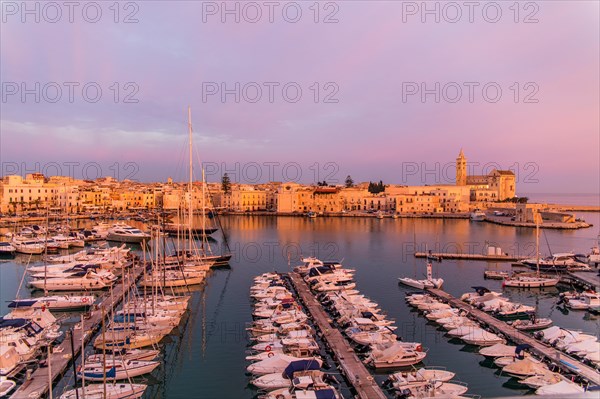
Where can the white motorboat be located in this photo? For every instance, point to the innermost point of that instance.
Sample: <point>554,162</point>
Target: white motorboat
<point>429,282</point>
<point>540,380</point>
<point>498,350</point>
<point>125,233</point>
<point>328,392</point>
<point>477,216</point>
<point>482,338</point>
<point>277,364</point>
<point>113,391</point>
<point>299,369</point>
<point>585,301</point>
<point>394,355</point>
<point>422,374</point>
<point>117,369</point>
<point>462,330</point>
<point>6,386</point>
<point>29,247</point>
<point>560,388</point>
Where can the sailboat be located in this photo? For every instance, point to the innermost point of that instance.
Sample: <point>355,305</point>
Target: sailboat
<point>528,281</point>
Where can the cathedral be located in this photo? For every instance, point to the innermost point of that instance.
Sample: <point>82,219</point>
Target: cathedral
<point>498,185</point>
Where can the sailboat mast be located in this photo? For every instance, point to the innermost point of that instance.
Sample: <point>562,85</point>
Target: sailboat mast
<point>537,245</point>
<point>191,177</point>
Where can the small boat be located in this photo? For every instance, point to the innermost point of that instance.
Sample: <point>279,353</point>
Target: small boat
<point>296,369</point>
<point>560,388</point>
<point>7,250</point>
<point>477,216</point>
<point>6,386</point>
<point>498,350</point>
<point>394,355</point>
<point>482,338</point>
<point>584,301</point>
<point>495,275</point>
<point>277,364</point>
<point>430,282</point>
<point>532,324</point>
<point>525,368</point>
<point>311,215</point>
<point>420,375</point>
<point>540,380</point>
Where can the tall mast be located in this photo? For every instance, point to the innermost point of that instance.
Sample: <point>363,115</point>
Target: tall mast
<point>537,243</point>
<point>191,176</point>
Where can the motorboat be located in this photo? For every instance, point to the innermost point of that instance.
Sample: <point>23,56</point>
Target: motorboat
<point>393,355</point>
<point>498,350</point>
<point>297,392</point>
<point>6,386</point>
<point>90,281</point>
<point>477,216</point>
<point>525,368</point>
<point>584,301</point>
<point>482,338</point>
<point>420,375</point>
<point>125,233</point>
<point>532,324</point>
<point>429,282</point>
<point>296,369</point>
<point>560,388</point>
<point>540,380</point>
<point>277,364</point>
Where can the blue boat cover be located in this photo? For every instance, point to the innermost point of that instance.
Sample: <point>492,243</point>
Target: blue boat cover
<point>300,365</point>
<point>325,394</point>
<point>124,318</point>
<point>112,373</point>
<point>23,303</point>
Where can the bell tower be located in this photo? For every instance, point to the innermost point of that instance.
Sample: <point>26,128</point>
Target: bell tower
<point>461,169</point>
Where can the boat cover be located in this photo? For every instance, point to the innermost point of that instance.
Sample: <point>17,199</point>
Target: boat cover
<point>300,365</point>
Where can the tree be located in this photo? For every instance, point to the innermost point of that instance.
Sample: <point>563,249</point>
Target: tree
<point>349,182</point>
<point>375,188</point>
<point>226,184</point>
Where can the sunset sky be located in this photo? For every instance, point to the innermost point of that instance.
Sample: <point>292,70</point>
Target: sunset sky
<point>372,56</point>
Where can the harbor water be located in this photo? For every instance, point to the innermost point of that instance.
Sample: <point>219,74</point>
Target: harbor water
<point>205,357</point>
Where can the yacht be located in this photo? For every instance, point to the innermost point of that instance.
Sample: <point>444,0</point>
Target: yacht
<point>584,301</point>
<point>125,233</point>
<point>477,216</point>
<point>528,281</point>
<point>57,302</point>
<point>557,262</point>
<point>90,281</point>
<point>113,391</point>
<point>117,369</point>
<point>29,247</point>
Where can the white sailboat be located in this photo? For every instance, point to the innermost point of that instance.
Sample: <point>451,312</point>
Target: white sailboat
<point>528,281</point>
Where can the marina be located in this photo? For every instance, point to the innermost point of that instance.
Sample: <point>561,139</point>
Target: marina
<point>356,373</point>
<point>61,357</point>
<point>560,359</point>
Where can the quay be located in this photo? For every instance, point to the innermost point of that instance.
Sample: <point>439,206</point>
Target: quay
<point>561,359</point>
<point>352,367</point>
<point>491,258</point>
<point>37,386</point>
<point>587,280</point>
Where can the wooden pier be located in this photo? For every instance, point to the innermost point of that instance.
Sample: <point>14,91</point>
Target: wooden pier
<point>60,358</point>
<point>589,280</point>
<point>352,367</point>
<point>490,258</point>
<point>557,357</point>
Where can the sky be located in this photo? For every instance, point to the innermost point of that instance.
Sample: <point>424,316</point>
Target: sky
<point>303,91</point>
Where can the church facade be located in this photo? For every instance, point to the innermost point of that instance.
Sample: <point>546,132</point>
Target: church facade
<point>497,185</point>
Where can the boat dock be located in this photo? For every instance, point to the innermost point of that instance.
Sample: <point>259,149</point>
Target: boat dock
<point>588,280</point>
<point>60,359</point>
<point>351,366</point>
<point>491,258</point>
<point>561,359</point>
